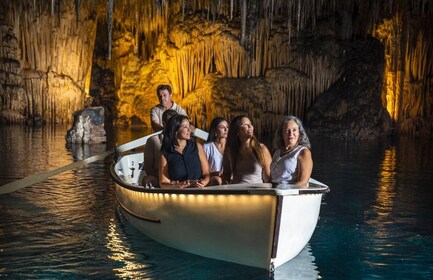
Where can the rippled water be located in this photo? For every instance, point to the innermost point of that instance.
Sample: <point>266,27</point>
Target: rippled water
<point>376,223</point>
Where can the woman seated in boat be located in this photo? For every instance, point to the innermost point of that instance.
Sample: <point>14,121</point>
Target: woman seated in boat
<point>183,162</point>
<point>292,162</point>
<point>245,159</point>
<point>152,153</point>
<point>214,148</point>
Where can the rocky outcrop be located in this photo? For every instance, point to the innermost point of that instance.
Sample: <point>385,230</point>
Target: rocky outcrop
<point>88,126</point>
<point>352,106</point>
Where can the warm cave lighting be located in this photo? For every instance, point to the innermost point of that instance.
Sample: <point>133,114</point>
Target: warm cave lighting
<point>387,181</point>
<point>391,96</point>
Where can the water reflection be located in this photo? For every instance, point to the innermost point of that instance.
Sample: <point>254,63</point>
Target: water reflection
<point>386,192</point>
<point>121,253</point>
<point>300,268</point>
<point>82,151</point>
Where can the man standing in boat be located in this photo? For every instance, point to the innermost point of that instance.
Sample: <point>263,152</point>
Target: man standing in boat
<point>165,95</point>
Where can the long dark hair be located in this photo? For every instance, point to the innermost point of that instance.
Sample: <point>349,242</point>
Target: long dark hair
<point>170,131</point>
<point>213,128</point>
<point>278,137</point>
<point>234,143</point>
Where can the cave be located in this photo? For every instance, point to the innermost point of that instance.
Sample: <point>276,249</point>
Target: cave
<point>348,69</point>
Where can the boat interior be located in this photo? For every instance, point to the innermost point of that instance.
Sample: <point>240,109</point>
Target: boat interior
<point>129,170</point>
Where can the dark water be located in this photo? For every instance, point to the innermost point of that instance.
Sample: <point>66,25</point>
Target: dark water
<point>377,222</point>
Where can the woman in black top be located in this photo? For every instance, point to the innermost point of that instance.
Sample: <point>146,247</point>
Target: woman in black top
<point>183,162</point>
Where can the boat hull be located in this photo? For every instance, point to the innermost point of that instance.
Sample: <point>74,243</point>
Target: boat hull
<point>254,225</point>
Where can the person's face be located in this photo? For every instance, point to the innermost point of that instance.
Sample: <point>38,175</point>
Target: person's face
<point>246,128</point>
<point>290,133</point>
<point>184,131</point>
<point>164,97</point>
<point>222,129</point>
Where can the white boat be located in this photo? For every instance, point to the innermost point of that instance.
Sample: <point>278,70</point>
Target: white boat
<point>257,225</point>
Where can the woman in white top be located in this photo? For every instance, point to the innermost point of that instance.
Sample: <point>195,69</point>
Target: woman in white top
<point>214,148</point>
<point>292,162</point>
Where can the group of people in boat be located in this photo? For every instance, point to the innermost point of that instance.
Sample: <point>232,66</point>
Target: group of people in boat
<point>231,155</point>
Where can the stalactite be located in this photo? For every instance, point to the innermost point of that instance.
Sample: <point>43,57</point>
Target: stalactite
<point>298,17</point>
<point>243,21</point>
<point>53,7</point>
<point>183,10</point>
<point>77,10</point>
<point>110,8</point>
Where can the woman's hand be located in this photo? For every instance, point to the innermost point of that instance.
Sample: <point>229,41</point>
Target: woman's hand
<point>180,185</point>
<point>199,184</point>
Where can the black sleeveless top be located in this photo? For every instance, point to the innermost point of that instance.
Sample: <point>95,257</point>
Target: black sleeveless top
<point>185,166</point>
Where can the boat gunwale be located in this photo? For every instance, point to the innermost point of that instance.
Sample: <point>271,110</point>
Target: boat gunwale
<point>257,189</point>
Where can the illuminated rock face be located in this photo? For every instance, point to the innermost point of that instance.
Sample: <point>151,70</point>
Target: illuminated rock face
<point>46,55</point>
<point>213,75</point>
<point>262,58</point>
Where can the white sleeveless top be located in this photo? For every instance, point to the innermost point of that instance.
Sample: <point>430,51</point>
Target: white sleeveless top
<point>214,157</point>
<point>285,168</point>
<point>248,170</point>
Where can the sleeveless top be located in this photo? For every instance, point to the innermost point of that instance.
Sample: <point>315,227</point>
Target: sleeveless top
<point>214,157</point>
<point>285,168</point>
<point>247,170</point>
<point>183,166</point>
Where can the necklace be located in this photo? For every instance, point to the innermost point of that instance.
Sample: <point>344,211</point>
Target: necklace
<point>288,150</point>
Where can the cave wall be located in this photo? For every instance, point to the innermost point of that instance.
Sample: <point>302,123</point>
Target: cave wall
<point>46,53</point>
<point>264,58</point>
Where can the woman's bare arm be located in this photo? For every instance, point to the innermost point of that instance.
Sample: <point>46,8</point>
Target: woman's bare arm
<point>305,167</point>
<point>204,167</point>
<point>227,168</point>
<point>267,167</point>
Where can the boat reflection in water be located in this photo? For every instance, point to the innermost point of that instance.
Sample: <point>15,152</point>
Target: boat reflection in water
<point>140,257</point>
<point>302,267</point>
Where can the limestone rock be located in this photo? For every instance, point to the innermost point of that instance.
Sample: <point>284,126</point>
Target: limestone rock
<point>88,126</point>
<point>352,107</point>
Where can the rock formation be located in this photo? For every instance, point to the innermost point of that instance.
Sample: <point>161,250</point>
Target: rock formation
<point>88,127</point>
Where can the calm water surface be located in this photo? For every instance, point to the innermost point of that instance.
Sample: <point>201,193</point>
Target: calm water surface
<point>376,223</point>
